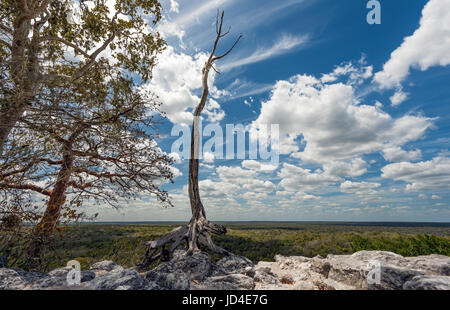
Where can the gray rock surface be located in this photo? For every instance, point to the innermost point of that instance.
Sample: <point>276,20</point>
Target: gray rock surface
<point>227,282</point>
<point>372,270</point>
<point>428,283</point>
<point>385,270</point>
<point>233,264</point>
<point>125,279</point>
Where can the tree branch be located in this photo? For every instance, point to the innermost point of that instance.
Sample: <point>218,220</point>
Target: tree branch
<point>3,42</point>
<point>231,48</point>
<point>65,42</point>
<point>31,187</point>
<point>6,29</point>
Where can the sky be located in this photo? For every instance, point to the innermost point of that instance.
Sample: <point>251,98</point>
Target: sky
<point>363,110</point>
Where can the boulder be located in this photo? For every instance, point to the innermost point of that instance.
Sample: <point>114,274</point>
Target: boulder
<point>122,279</point>
<point>175,280</point>
<point>195,267</point>
<point>428,282</point>
<point>227,282</point>
<point>374,270</point>
<point>233,264</point>
<point>103,267</point>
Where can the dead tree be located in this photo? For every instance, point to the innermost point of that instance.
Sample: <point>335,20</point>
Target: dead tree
<point>197,233</point>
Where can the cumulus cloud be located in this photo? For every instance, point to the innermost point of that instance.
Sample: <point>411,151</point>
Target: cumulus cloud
<point>295,178</point>
<point>209,188</point>
<point>331,122</point>
<point>360,188</point>
<point>176,80</point>
<point>354,168</point>
<point>234,174</point>
<point>260,186</point>
<point>396,154</point>
<point>424,175</point>
<point>208,157</point>
<point>356,73</point>
<point>398,98</point>
<point>428,46</point>
<point>258,166</point>
<point>236,182</point>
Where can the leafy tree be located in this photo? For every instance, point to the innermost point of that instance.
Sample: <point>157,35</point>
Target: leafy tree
<point>73,126</point>
<point>48,43</point>
<point>99,147</point>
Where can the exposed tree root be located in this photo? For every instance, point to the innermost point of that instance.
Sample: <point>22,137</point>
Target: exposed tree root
<point>196,235</point>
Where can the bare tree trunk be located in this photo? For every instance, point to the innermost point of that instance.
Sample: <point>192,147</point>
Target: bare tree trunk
<point>197,232</point>
<point>47,225</point>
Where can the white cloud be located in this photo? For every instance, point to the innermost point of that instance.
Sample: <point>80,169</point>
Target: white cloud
<point>175,157</point>
<point>199,11</point>
<point>295,178</point>
<point>260,186</point>
<point>333,124</point>
<point>360,188</point>
<point>396,154</point>
<point>234,174</point>
<point>174,6</point>
<point>285,44</point>
<point>176,79</point>
<point>242,88</point>
<point>168,29</point>
<point>356,74</point>
<point>258,166</point>
<point>208,157</point>
<point>398,98</point>
<point>425,175</point>
<point>209,188</point>
<point>213,111</point>
<point>354,168</point>
<point>428,46</point>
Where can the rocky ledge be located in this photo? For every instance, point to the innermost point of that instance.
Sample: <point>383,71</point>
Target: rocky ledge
<point>385,270</point>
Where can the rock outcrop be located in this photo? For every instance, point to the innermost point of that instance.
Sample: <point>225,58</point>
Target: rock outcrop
<point>362,270</point>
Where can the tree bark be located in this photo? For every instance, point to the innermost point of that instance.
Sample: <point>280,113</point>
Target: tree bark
<point>47,225</point>
<point>197,232</point>
<point>24,73</point>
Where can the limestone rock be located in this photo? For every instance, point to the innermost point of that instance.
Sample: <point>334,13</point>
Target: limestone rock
<point>428,282</point>
<point>362,270</point>
<point>117,279</point>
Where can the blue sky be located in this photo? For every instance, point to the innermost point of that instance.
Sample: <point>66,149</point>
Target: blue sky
<point>362,109</point>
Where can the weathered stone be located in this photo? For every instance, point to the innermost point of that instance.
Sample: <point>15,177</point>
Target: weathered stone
<point>175,280</point>
<point>341,272</point>
<point>234,264</point>
<point>195,266</point>
<point>265,277</point>
<point>428,282</point>
<point>228,282</point>
<point>126,278</point>
<point>86,275</point>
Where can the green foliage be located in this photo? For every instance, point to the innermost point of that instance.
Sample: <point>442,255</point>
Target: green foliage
<point>421,244</point>
<point>125,244</point>
<point>84,26</point>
